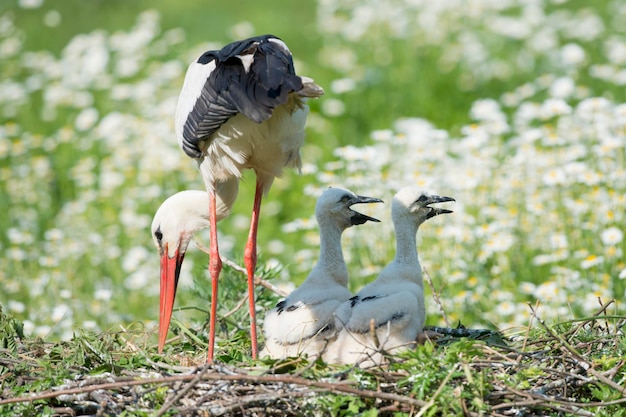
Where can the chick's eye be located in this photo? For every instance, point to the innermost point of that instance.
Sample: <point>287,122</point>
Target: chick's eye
<point>344,199</point>
<point>422,198</point>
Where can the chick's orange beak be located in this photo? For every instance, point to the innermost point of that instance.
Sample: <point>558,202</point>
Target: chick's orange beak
<point>170,271</point>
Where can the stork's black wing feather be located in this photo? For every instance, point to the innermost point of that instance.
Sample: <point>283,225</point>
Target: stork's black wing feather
<point>230,89</point>
<point>282,306</point>
<point>354,300</point>
<point>271,77</point>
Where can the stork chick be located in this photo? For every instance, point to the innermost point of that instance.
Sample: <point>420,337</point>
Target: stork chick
<point>303,321</point>
<point>387,314</point>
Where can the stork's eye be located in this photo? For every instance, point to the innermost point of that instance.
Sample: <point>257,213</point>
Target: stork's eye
<point>344,199</point>
<point>158,234</point>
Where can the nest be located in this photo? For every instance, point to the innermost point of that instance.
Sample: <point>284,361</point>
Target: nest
<point>565,372</point>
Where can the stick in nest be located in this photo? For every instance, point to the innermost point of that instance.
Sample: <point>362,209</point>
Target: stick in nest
<point>257,279</point>
<point>581,361</point>
<point>203,375</point>
<point>183,391</point>
<point>436,297</point>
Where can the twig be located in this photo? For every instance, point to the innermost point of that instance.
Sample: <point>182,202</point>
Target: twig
<point>237,307</point>
<point>436,297</point>
<point>578,357</point>
<point>287,379</point>
<point>242,402</point>
<point>432,399</point>
<point>188,332</point>
<point>257,279</point>
<point>530,323</point>
<point>543,403</point>
<point>596,315</point>
<point>157,365</point>
<point>312,362</point>
<point>542,399</point>
<point>504,357</point>
<point>63,411</point>
<point>183,391</point>
<point>568,381</point>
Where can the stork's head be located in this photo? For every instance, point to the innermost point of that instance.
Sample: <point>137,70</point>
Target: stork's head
<point>173,226</point>
<point>335,204</point>
<point>415,202</point>
<point>178,219</point>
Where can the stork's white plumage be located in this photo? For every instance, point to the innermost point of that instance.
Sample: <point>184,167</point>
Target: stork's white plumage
<point>387,314</point>
<point>242,107</point>
<point>304,320</point>
<point>174,224</point>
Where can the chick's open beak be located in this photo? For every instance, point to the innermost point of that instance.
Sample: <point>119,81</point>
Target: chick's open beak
<point>435,211</point>
<point>359,218</point>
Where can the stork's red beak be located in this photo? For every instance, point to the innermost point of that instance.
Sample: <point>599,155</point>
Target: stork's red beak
<point>170,271</point>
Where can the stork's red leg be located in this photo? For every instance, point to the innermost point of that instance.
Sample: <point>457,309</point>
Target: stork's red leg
<point>215,267</point>
<point>250,259</point>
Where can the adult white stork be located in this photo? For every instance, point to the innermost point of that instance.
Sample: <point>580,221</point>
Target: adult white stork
<point>174,224</point>
<point>303,321</point>
<point>242,107</point>
<point>388,313</point>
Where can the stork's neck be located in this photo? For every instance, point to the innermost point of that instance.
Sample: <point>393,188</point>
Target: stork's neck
<point>331,264</point>
<point>406,241</point>
<point>406,265</point>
